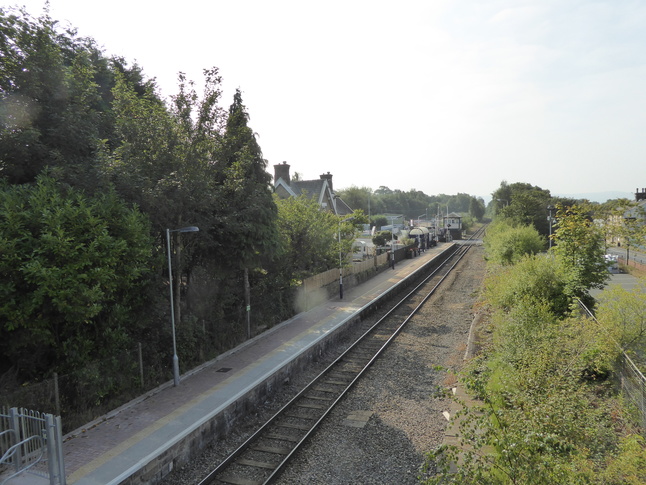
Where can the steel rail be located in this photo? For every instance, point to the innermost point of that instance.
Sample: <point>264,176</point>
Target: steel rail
<point>273,470</point>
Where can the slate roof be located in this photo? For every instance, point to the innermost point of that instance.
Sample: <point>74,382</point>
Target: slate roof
<point>320,190</point>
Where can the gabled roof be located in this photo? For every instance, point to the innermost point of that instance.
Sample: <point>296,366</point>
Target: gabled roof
<point>342,209</point>
<point>319,190</point>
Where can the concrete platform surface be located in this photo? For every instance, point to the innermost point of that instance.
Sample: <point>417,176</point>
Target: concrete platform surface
<point>110,450</point>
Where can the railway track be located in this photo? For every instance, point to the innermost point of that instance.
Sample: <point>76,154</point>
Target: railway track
<point>261,459</point>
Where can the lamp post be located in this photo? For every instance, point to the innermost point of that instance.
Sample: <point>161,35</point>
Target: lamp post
<point>340,260</point>
<point>549,218</point>
<point>172,305</point>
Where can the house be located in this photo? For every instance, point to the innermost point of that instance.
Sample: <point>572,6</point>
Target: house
<point>638,212</point>
<point>321,190</point>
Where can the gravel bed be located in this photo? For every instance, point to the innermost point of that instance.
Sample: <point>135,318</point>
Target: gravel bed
<point>381,430</point>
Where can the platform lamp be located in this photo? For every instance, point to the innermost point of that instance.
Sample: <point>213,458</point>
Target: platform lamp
<point>172,305</point>
<point>340,259</point>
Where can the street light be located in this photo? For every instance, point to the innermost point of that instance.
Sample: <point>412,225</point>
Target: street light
<point>549,218</point>
<point>172,305</point>
<point>340,260</point>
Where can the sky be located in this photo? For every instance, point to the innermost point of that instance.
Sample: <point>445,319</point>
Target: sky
<point>441,96</point>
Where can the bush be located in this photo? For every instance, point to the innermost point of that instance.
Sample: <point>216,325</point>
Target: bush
<point>506,244</point>
<point>74,269</point>
<point>534,280</point>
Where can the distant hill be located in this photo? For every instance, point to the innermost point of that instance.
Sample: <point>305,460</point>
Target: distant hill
<point>599,196</point>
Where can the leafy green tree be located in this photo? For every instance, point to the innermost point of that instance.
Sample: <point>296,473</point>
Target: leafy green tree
<point>73,272</point>
<point>55,102</point>
<point>476,209</point>
<point>246,190</point>
<point>359,198</point>
<point>47,100</point>
<point>579,247</point>
<point>381,238</point>
<point>523,204</point>
<point>302,224</point>
<point>250,208</point>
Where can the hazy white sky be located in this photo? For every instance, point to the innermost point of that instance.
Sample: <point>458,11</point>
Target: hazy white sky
<point>440,96</point>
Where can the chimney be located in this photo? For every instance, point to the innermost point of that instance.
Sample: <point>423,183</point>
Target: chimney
<point>328,177</point>
<point>282,171</point>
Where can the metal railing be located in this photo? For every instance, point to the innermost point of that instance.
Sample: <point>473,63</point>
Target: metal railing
<point>31,442</point>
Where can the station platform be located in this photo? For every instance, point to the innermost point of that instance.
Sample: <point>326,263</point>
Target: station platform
<point>124,444</point>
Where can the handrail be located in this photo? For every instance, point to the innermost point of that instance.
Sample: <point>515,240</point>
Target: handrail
<point>12,450</point>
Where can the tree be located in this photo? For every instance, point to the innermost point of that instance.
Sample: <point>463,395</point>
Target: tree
<point>579,246</point>
<point>476,209</point>
<point>246,190</point>
<point>382,238</point>
<point>250,206</point>
<point>302,224</point>
<point>523,204</point>
<point>55,102</point>
<point>73,272</point>
<point>359,198</point>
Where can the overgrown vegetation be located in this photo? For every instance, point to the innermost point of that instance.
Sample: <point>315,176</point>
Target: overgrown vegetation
<point>550,412</point>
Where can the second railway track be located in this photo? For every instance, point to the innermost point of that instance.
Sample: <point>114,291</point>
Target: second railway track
<point>264,455</point>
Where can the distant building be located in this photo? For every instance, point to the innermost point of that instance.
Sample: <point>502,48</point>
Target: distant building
<point>453,222</point>
<point>321,190</point>
<point>640,209</point>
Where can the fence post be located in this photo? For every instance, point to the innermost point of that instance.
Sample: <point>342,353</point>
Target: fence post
<point>57,396</point>
<point>54,438</point>
<point>14,418</point>
<point>59,448</point>
<point>141,365</point>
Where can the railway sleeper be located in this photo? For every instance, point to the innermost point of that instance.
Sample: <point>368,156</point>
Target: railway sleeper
<point>310,406</point>
<point>256,464</point>
<point>271,449</point>
<point>239,481</point>
<point>323,389</point>
<point>336,383</point>
<point>317,398</point>
<point>282,437</point>
<point>302,427</point>
<point>300,416</point>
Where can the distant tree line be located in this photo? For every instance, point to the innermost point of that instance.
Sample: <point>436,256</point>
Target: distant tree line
<point>413,204</point>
